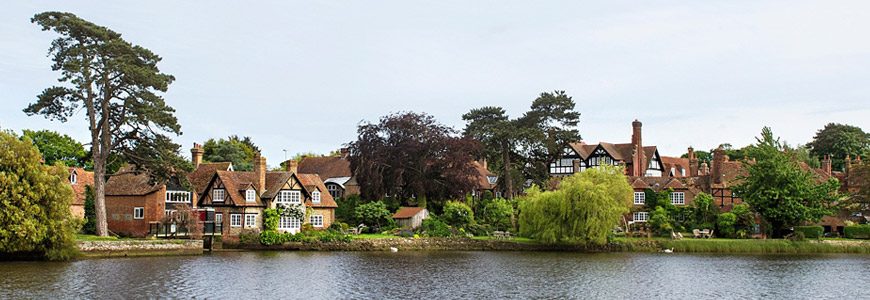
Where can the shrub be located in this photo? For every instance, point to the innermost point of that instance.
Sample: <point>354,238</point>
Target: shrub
<point>498,213</point>
<point>725,224</point>
<point>457,214</point>
<point>850,231</point>
<point>373,213</point>
<point>810,232</point>
<point>435,227</point>
<point>798,236</point>
<point>271,237</point>
<point>270,219</point>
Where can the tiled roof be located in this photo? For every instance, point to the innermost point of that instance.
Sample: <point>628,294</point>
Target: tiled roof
<point>677,164</point>
<point>274,181</point>
<point>407,212</point>
<point>482,173</point>
<point>312,181</point>
<point>236,184</point>
<point>325,167</point>
<point>83,179</point>
<point>200,177</point>
<point>130,184</point>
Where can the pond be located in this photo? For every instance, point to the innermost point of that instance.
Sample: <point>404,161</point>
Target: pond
<point>443,275</point>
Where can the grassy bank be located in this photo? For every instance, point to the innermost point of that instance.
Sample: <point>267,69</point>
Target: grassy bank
<point>749,246</point>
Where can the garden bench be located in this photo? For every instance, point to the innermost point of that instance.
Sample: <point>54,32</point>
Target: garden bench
<point>498,234</point>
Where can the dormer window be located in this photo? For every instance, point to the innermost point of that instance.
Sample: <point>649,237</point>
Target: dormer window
<point>218,195</point>
<point>288,196</point>
<point>250,196</point>
<point>73,178</point>
<point>315,197</point>
<point>492,179</point>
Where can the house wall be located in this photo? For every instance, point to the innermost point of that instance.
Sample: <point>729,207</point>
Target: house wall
<point>232,233</point>
<point>328,216</point>
<point>415,221</point>
<point>689,197</point>
<point>119,212</point>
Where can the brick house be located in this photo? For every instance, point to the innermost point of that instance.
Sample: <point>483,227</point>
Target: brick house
<point>333,170</point>
<point>240,198</point>
<point>79,179</point>
<point>485,180</point>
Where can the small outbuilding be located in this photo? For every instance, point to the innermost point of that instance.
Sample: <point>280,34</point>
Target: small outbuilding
<point>410,217</point>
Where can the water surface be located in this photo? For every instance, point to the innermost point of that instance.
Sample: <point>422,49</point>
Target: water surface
<point>443,275</point>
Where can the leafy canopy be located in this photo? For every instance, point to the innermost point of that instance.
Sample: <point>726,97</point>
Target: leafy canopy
<point>585,207</point>
<point>779,190</point>
<point>34,204</point>
<point>56,147</point>
<point>838,140</point>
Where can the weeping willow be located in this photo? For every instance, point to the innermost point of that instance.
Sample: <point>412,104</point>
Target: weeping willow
<point>584,207</point>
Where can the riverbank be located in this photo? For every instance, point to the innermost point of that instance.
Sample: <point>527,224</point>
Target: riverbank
<point>619,245</point>
<point>128,248</point>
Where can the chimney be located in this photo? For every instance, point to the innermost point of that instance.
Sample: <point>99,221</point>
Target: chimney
<point>705,170</point>
<point>576,164</point>
<point>483,163</point>
<point>638,166</point>
<point>260,171</point>
<point>196,155</point>
<point>693,163</point>
<point>344,153</point>
<point>291,166</point>
<point>826,164</point>
<point>718,159</point>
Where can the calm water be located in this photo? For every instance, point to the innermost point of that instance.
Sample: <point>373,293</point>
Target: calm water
<point>439,275</point>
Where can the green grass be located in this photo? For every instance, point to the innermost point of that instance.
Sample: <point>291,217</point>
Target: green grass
<point>516,239</point>
<point>758,246</point>
<point>90,237</point>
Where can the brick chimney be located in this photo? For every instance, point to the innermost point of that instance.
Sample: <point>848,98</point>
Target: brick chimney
<point>291,166</point>
<point>718,160</point>
<point>705,169</point>
<point>196,155</point>
<point>693,163</point>
<point>260,171</point>
<point>344,153</point>
<point>826,164</point>
<point>483,163</point>
<point>637,161</point>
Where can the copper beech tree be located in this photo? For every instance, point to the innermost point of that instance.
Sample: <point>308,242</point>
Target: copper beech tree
<point>116,84</point>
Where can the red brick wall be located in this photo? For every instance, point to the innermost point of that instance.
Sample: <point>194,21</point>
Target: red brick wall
<point>119,212</point>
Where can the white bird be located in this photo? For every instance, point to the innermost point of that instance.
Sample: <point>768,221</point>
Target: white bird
<point>668,250</point>
<point>394,249</point>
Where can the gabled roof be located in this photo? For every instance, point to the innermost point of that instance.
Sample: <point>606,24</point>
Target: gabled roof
<point>236,183</point>
<point>677,164</point>
<point>130,184</point>
<point>275,180</point>
<point>83,179</point>
<point>481,176</point>
<point>407,212</point>
<point>325,167</point>
<point>200,177</point>
<point>312,182</point>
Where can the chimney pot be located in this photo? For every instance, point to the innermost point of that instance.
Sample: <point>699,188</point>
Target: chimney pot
<point>196,155</point>
<point>291,166</point>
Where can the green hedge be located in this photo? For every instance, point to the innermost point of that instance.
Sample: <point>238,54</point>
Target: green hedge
<point>810,232</point>
<point>849,231</point>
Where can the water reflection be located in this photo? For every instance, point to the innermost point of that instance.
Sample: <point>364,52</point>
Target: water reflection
<point>418,274</point>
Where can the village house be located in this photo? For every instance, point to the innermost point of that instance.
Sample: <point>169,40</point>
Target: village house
<point>239,199</point>
<point>334,170</point>
<point>79,179</point>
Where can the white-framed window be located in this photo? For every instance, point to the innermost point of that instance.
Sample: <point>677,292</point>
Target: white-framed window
<point>250,196</point>
<point>235,220</point>
<point>218,195</point>
<point>334,190</point>
<point>315,197</point>
<point>683,172</point>
<point>177,197</point>
<point>219,218</point>
<point>316,220</point>
<point>169,212</point>
<point>640,216</point>
<point>138,213</point>
<point>73,178</point>
<point>639,198</point>
<point>289,197</point>
<point>678,198</point>
<point>286,222</point>
<point>250,221</point>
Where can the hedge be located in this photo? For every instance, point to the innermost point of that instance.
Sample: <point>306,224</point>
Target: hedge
<point>810,232</point>
<point>849,231</point>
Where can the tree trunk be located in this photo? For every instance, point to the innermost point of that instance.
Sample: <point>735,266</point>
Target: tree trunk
<point>100,195</point>
<point>509,187</point>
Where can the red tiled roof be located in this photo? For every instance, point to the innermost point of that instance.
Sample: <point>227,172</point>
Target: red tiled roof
<point>482,173</point>
<point>236,183</point>
<point>312,182</point>
<point>200,177</point>
<point>130,183</point>
<point>677,163</point>
<point>407,212</point>
<point>325,167</point>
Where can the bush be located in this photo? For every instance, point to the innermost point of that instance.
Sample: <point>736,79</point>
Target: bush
<point>270,219</point>
<point>798,236</point>
<point>810,232</point>
<point>725,224</point>
<point>850,231</point>
<point>271,237</point>
<point>457,214</point>
<point>434,227</point>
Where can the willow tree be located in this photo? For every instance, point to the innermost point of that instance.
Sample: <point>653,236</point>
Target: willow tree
<point>115,83</point>
<point>584,207</point>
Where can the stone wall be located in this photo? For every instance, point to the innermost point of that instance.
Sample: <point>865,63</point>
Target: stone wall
<point>140,247</point>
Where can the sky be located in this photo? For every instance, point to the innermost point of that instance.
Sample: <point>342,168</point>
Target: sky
<point>301,76</point>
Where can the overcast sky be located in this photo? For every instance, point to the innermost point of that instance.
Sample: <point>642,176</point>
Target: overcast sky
<point>301,75</point>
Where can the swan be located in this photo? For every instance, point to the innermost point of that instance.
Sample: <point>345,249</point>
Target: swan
<point>668,250</point>
<point>394,249</point>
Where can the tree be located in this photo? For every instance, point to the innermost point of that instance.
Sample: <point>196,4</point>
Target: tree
<point>498,212</point>
<point>90,226</point>
<point>523,147</point>
<point>457,214</point>
<point>56,147</point>
<point>779,190</point>
<point>703,156</point>
<point>116,84</point>
<point>585,207</point>
<point>838,140</point>
<point>34,202</point>
<point>373,212</point>
<point>187,219</point>
<point>240,154</point>
<point>410,155</point>
<point>858,200</point>
<point>705,209</point>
